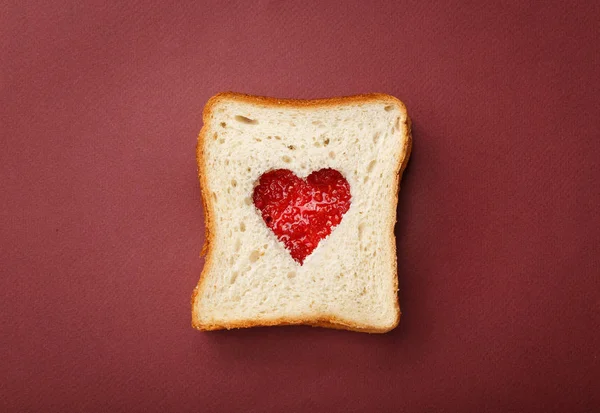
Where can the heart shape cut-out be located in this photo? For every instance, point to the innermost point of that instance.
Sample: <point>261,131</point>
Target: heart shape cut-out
<point>301,212</point>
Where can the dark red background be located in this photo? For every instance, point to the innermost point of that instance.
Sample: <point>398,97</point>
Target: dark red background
<point>498,231</point>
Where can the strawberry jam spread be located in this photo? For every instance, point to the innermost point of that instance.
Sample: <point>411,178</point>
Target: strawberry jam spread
<point>302,212</point>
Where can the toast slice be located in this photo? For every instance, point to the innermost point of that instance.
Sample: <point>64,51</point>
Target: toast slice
<point>251,277</point>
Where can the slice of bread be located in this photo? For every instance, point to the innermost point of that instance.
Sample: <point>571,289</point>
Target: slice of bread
<point>349,281</point>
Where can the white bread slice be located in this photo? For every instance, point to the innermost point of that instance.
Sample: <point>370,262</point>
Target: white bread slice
<point>249,278</point>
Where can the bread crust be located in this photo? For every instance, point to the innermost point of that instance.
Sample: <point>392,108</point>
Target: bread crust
<point>319,321</point>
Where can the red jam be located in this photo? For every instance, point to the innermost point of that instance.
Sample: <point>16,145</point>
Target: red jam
<point>302,212</point>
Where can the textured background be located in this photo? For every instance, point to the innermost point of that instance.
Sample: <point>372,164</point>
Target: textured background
<point>101,221</point>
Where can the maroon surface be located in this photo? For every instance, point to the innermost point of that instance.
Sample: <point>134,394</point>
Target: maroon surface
<point>499,229</point>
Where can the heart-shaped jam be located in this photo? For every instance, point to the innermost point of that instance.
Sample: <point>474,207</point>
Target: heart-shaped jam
<point>302,212</point>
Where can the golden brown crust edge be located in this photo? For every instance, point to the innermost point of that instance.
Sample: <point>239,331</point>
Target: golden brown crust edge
<point>402,166</point>
<point>324,321</point>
